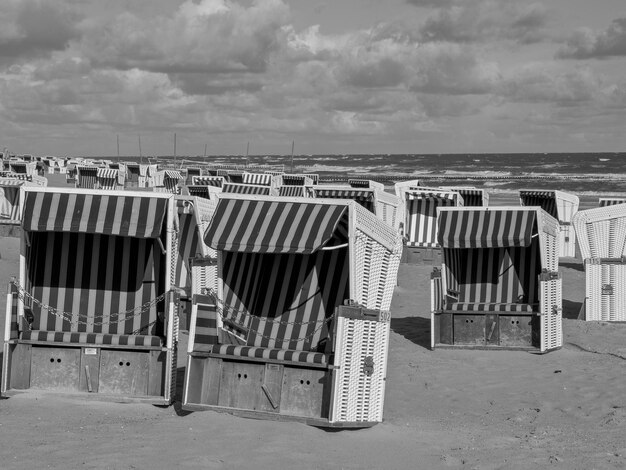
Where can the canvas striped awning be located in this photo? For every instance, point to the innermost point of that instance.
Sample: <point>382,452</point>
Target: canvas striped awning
<point>257,178</point>
<point>129,216</point>
<point>237,188</point>
<point>272,226</point>
<point>544,199</point>
<point>486,229</point>
<point>416,193</point>
<point>173,174</point>
<point>358,183</point>
<point>4,182</point>
<point>107,173</point>
<point>354,194</point>
<point>217,181</point>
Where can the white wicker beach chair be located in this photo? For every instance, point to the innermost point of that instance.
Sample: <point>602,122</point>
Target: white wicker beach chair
<point>93,310</point>
<point>419,209</point>
<point>560,205</point>
<point>499,285</point>
<point>299,326</point>
<point>601,236</point>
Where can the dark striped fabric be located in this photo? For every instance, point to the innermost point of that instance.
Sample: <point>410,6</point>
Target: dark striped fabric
<point>206,334</point>
<point>357,183</point>
<point>296,191</point>
<point>217,181</point>
<point>471,197</point>
<point>107,173</point>
<point>87,177</point>
<point>488,307</point>
<point>92,338</point>
<point>189,246</point>
<point>257,178</point>
<point>93,277</point>
<point>544,199</point>
<point>276,354</point>
<point>492,276</point>
<point>10,199</point>
<point>128,216</point>
<point>199,191</point>
<point>236,188</point>
<point>486,228</point>
<point>273,226</point>
<point>421,216</point>
<point>298,180</point>
<point>300,291</point>
<point>364,197</point>
<point>611,201</point>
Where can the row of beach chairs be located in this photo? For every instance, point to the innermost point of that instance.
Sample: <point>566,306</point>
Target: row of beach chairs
<point>286,299</point>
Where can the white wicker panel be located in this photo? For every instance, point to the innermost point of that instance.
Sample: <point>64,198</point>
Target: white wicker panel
<point>567,241</point>
<point>357,395</point>
<point>551,314</point>
<point>606,292</point>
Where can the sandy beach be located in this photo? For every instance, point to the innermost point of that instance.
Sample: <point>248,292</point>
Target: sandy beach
<point>443,408</point>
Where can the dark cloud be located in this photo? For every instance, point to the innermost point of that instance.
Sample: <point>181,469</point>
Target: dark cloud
<point>486,20</point>
<point>586,44</point>
<point>31,28</point>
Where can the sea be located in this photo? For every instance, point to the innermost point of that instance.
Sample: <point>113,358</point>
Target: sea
<point>602,174</point>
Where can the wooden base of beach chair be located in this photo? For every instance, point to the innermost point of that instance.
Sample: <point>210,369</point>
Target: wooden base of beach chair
<point>487,330</point>
<point>106,373</point>
<point>275,390</point>
<point>422,256</point>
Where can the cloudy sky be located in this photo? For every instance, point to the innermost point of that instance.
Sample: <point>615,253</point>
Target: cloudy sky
<point>335,76</point>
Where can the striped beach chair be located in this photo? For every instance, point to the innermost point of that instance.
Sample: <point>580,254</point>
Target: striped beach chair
<point>499,287</point>
<point>420,206</point>
<point>216,181</point>
<point>95,293</point>
<point>241,188</point>
<point>10,213</point>
<point>168,181</point>
<point>472,197</point>
<point>369,194</point>
<point>560,205</point>
<point>296,191</point>
<point>298,328</point>
<point>601,234</point>
<point>110,179</point>
<point>87,177</point>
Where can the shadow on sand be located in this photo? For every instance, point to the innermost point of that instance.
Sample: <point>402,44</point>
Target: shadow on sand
<point>415,329</point>
<point>571,309</point>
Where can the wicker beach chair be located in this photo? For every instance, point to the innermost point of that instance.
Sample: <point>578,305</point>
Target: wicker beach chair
<point>299,326</point>
<point>370,195</point>
<point>601,236</point>
<point>87,177</point>
<point>560,205</point>
<point>499,285</point>
<point>92,312</point>
<point>419,209</point>
<point>472,197</point>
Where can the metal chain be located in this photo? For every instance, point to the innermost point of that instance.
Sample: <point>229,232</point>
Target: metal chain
<point>75,319</point>
<point>224,310</point>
